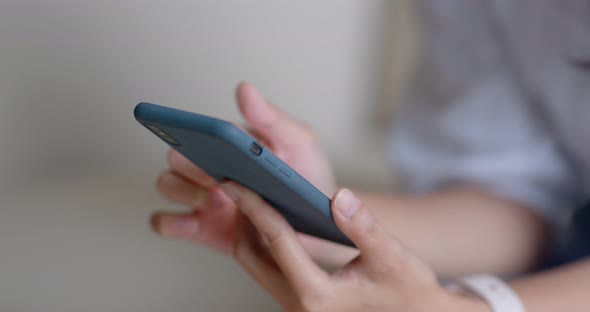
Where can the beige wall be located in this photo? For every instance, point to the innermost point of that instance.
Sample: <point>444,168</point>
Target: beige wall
<point>76,171</point>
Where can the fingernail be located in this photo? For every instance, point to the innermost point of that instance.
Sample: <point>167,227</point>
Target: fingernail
<point>178,226</point>
<point>230,190</point>
<point>187,226</point>
<point>347,203</point>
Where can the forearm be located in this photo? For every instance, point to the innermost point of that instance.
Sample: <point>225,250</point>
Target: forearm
<point>562,289</point>
<point>457,232</point>
<point>462,231</point>
<point>566,288</point>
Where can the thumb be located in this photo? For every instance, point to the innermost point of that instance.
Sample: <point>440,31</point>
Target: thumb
<point>266,120</point>
<point>357,223</point>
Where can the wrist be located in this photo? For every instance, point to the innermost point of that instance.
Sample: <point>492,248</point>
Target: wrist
<point>465,301</point>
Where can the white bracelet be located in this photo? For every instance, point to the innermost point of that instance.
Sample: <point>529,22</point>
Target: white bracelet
<point>493,290</point>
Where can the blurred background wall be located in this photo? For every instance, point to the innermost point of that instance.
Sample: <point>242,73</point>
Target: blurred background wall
<point>77,173</point>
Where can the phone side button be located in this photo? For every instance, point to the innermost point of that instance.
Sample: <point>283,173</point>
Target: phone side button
<point>271,161</point>
<point>255,149</point>
<point>285,172</point>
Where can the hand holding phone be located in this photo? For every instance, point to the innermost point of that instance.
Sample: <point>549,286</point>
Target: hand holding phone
<point>292,141</point>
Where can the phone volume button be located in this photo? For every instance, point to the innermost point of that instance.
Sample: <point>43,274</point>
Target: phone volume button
<point>285,171</point>
<point>271,161</point>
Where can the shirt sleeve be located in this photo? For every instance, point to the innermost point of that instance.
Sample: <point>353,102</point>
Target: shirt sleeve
<point>466,121</point>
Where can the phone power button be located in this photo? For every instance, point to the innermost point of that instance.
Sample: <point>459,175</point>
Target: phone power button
<point>255,149</point>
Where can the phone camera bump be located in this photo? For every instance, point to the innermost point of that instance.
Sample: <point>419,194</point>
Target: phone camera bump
<point>162,134</point>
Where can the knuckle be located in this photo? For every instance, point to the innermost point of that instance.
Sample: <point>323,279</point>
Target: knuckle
<point>368,225</point>
<point>372,231</point>
<point>249,203</point>
<point>274,239</point>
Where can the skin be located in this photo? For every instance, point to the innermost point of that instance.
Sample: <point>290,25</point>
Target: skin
<point>416,238</point>
<point>384,277</point>
<point>514,236</point>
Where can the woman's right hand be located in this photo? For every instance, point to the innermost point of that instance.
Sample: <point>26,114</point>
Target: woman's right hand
<point>211,220</point>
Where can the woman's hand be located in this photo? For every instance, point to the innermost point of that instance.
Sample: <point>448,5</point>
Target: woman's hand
<point>212,220</point>
<point>385,277</point>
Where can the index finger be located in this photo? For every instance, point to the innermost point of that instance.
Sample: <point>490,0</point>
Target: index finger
<point>282,242</point>
<point>184,167</point>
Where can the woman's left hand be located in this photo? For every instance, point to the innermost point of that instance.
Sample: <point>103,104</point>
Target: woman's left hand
<point>385,277</point>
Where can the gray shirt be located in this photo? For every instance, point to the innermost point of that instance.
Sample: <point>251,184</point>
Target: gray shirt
<point>501,100</point>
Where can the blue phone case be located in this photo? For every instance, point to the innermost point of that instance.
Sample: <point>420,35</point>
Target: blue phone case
<point>227,153</point>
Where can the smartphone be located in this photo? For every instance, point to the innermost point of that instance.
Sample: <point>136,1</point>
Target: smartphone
<point>225,152</point>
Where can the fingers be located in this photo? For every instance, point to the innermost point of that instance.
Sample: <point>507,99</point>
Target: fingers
<point>265,119</point>
<point>280,238</point>
<point>180,190</point>
<point>251,257</point>
<point>175,225</point>
<point>185,168</point>
<point>358,224</point>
